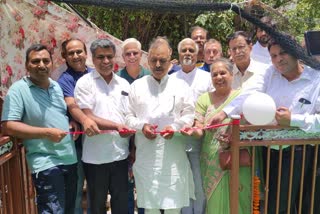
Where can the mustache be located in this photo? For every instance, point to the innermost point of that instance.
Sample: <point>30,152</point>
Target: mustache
<point>159,69</point>
<point>43,69</point>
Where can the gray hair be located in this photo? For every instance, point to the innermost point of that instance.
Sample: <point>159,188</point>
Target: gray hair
<point>188,40</point>
<point>225,61</point>
<point>159,41</point>
<point>213,41</point>
<point>194,28</point>
<point>102,43</point>
<point>131,40</point>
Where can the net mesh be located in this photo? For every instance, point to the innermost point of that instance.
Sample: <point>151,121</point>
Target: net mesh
<point>250,11</point>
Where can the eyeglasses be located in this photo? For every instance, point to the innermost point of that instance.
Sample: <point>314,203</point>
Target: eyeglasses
<point>240,48</point>
<point>134,53</point>
<point>103,57</point>
<point>161,61</point>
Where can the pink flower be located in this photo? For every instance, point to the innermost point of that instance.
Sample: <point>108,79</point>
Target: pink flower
<point>34,26</point>
<point>116,67</point>
<point>73,27</point>
<point>54,42</point>
<point>9,70</point>
<point>21,31</point>
<point>103,36</point>
<point>65,36</point>
<point>18,59</point>
<point>52,28</point>
<point>18,18</point>
<point>41,3</point>
<point>5,81</point>
<point>39,13</point>
<point>75,19</point>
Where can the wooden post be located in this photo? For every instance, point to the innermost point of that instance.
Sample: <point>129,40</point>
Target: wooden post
<point>234,173</point>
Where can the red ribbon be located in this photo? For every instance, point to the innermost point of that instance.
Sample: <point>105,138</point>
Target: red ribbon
<point>130,131</point>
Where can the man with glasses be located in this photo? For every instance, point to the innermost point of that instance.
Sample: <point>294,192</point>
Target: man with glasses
<point>199,82</point>
<point>240,47</point>
<point>159,106</point>
<point>131,54</point>
<point>102,96</point>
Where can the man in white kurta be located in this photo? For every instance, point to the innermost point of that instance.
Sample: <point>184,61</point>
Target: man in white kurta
<point>158,107</point>
<point>199,82</point>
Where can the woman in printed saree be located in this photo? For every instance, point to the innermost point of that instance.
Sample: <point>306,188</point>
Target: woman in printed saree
<point>215,180</point>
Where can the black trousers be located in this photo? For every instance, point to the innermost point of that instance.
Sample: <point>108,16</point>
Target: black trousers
<point>103,178</point>
<point>285,176</point>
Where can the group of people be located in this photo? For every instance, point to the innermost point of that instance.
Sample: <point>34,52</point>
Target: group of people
<point>144,129</point>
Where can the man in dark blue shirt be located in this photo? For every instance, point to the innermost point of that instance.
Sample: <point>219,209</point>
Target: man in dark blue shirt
<point>74,51</point>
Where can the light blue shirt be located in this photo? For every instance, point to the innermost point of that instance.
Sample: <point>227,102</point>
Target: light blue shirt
<point>38,107</point>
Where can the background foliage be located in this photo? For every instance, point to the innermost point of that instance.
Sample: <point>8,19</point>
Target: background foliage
<point>293,17</point>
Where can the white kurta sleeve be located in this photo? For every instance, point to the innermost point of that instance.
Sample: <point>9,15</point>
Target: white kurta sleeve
<point>130,116</point>
<point>257,83</point>
<point>187,112</point>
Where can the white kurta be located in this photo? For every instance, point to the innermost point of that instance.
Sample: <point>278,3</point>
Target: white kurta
<point>162,170</point>
<point>199,82</point>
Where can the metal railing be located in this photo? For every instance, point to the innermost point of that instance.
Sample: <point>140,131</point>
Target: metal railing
<point>267,136</point>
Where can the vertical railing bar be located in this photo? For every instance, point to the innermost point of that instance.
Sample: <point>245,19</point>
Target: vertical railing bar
<point>253,157</point>
<point>279,179</point>
<point>290,178</point>
<point>234,173</point>
<point>266,199</point>
<point>302,178</point>
<point>314,171</point>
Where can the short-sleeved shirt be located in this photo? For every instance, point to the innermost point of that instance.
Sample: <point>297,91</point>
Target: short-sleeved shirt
<point>107,101</point>
<point>124,74</point>
<point>38,107</point>
<point>67,82</point>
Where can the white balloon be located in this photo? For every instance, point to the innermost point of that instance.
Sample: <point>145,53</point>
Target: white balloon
<point>259,109</point>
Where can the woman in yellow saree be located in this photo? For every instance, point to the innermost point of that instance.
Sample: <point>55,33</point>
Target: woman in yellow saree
<point>215,180</point>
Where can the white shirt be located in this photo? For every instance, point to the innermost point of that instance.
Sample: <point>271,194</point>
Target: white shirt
<point>199,82</point>
<point>162,170</point>
<point>106,101</point>
<point>260,54</point>
<point>287,94</point>
<point>254,67</point>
